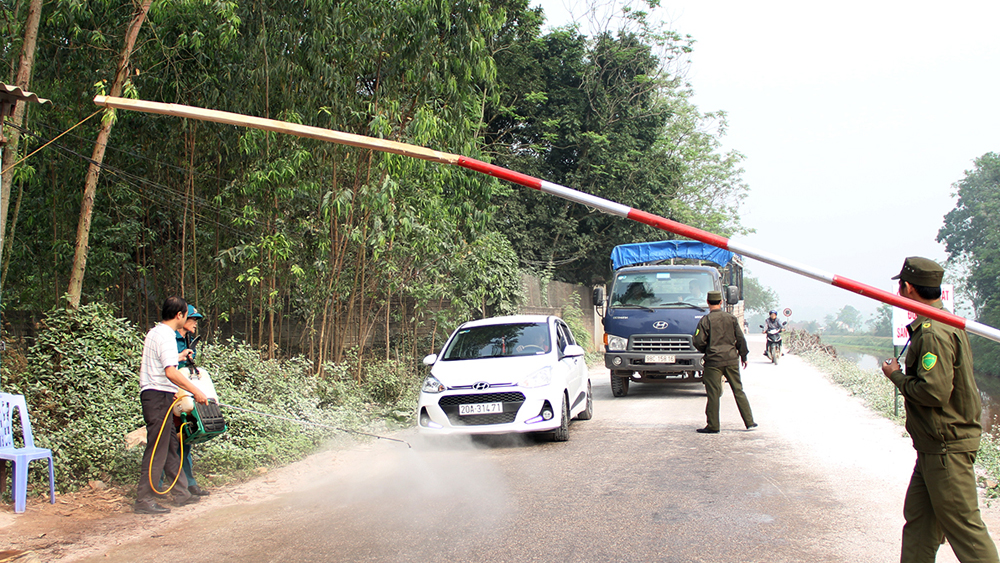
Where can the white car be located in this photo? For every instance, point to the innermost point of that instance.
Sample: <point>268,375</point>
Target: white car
<point>522,373</point>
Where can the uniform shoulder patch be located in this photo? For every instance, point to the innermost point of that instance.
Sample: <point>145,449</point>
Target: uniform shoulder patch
<point>927,324</point>
<point>928,361</point>
<point>696,331</point>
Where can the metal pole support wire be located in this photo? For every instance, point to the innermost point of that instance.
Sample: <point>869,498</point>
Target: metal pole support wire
<point>299,421</point>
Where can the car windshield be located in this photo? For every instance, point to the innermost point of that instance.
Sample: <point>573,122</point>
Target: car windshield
<point>661,289</point>
<point>491,341</point>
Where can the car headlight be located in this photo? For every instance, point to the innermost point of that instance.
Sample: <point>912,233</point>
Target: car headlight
<point>538,378</point>
<point>617,343</point>
<point>432,385</point>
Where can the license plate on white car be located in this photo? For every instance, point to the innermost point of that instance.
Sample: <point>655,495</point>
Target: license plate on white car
<point>660,359</point>
<point>480,408</point>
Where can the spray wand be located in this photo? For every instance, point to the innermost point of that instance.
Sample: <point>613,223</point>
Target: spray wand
<point>191,365</point>
<point>349,431</point>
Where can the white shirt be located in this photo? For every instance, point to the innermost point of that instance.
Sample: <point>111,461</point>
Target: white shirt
<point>158,353</point>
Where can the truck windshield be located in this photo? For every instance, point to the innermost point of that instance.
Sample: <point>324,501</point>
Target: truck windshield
<point>661,289</point>
<point>491,341</point>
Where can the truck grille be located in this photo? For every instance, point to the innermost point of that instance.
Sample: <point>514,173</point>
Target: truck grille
<point>511,403</point>
<point>661,344</point>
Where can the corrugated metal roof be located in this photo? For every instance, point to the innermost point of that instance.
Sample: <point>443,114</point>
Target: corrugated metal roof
<point>13,93</point>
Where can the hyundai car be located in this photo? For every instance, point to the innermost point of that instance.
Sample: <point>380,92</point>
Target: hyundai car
<point>512,374</point>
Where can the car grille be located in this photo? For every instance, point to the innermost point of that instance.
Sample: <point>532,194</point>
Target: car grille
<point>511,403</point>
<point>658,344</point>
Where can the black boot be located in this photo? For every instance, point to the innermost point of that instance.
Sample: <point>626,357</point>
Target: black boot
<point>149,507</point>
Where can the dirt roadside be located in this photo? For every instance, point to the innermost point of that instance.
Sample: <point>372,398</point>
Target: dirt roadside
<point>89,521</point>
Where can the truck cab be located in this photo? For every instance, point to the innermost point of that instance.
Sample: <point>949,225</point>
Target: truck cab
<point>654,305</point>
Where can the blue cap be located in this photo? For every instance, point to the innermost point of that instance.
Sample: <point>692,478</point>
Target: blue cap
<point>193,313</point>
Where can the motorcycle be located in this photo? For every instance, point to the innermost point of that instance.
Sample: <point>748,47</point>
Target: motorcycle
<point>774,342</point>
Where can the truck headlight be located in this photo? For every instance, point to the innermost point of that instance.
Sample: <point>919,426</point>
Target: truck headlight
<point>617,343</point>
<point>538,378</point>
<point>432,385</point>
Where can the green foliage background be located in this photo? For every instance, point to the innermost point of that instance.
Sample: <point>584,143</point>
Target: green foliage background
<point>81,383</point>
<point>971,234</point>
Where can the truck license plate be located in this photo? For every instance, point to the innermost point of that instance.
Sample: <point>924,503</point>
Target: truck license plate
<point>480,408</point>
<point>660,359</point>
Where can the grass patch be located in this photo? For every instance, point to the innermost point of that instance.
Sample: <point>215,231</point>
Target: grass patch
<point>865,344</point>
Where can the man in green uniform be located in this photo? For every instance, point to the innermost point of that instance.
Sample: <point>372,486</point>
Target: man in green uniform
<point>943,418</point>
<point>720,338</point>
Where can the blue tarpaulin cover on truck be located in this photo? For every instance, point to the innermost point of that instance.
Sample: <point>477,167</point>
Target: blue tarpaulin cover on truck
<point>644,252</point>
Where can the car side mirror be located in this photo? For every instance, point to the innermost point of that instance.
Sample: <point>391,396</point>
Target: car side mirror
<point>574,350</point>
<point>732,294</point>
<point>429,360</point>
<point>598,297</point>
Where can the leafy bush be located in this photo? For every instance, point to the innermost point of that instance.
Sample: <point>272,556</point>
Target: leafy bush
<point>573,316</point>
<point>81,384</point>
<point>81,381</point>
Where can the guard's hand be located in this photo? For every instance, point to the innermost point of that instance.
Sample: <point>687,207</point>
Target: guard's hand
<point>890,366</point>
<point>744,362</point>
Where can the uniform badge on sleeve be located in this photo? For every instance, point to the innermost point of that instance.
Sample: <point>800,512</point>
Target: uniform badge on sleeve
<point>928,361</point>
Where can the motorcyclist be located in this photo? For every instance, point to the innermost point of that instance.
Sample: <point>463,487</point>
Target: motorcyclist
<point>772,323</point>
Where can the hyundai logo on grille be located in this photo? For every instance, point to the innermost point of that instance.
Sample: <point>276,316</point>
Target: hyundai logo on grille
<point>481,385</point>
<point>660,325</point>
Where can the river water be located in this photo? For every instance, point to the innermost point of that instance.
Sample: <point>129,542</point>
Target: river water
<point>991,404</point>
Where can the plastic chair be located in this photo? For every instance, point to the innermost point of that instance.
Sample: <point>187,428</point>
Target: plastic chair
<point>20,457</point>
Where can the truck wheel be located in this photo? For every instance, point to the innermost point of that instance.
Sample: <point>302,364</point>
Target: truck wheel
<point>619,385</point>
<point>588,412</point>
<point>561,434</point>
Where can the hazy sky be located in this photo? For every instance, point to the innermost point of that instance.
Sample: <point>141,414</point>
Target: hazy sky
<point>855,119</point>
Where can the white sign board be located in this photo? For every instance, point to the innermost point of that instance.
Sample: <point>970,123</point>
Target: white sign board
<point>901,318</point>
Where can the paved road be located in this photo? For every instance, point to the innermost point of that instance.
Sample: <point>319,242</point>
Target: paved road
<point>821,480</point>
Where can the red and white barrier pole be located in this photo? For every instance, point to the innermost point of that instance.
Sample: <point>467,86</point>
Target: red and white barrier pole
<point>563,192</point>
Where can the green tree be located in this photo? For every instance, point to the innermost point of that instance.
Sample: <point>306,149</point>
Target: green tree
<point>971,235</point>
<point>604,116</point>
<point>880,323</point>
<point>847,320</point>
<point>757,297</point>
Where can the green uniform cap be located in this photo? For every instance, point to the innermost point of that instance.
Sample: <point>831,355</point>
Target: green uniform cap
<point>715,297</point>
<point>921,271</point>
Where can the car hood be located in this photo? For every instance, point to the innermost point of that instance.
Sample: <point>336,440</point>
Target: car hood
<point>491,370</point>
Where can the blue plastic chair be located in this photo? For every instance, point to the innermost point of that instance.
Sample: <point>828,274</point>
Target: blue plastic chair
<point>20,457</point>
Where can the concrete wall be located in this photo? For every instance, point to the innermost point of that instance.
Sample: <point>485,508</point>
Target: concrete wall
<point>552,297</point>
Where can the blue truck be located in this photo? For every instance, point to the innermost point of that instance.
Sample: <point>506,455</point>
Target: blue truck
<point>657,296</point>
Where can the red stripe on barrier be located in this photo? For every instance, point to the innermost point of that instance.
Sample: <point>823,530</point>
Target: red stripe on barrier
<point>498,172</point>
<point>899,301</point>
<point>678,228</point>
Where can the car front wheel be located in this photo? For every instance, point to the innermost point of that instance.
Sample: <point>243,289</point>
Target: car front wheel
<point>588,412</point>
<point>561,434</point>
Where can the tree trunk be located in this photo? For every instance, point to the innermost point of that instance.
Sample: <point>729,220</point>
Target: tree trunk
<point>23,80</point>
<point>94,170</point>
<point>9,243</point>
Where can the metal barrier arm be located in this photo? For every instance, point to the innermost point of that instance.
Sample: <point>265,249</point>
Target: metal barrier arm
<point>563,192</point>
